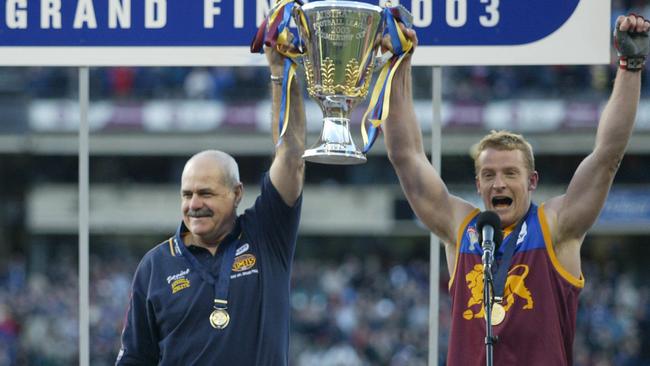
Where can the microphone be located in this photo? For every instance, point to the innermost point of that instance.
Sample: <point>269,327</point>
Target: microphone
<point>488,225</point>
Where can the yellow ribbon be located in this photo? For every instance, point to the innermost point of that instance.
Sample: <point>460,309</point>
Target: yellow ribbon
<point>384,82</point>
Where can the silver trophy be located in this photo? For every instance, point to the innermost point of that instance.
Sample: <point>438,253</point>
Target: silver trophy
<point>341,41</point>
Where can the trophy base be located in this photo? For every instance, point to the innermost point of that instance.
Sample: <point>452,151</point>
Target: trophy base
<point>335,145</point>
<point>336,154</point>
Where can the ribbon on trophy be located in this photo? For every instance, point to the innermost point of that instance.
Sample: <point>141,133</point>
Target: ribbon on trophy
<point>274,32</point>
<point>380,99</point>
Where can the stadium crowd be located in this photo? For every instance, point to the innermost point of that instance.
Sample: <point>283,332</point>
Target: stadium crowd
<point>475,84</point>
<point>471,83</point>
<point>361,310</point>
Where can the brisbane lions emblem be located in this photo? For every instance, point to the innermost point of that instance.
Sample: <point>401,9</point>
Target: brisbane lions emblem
<point>515,285</point>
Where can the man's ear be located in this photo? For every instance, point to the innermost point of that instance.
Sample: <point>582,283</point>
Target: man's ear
<point>533,179</point>
<point>239,193</point>
<point>478,185</point>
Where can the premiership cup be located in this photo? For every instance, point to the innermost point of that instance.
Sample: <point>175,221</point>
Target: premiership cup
<point>341,41</point>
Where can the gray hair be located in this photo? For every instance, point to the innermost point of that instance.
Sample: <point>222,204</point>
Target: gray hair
<point>227,163</point>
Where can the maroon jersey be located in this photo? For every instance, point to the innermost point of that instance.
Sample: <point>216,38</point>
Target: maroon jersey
<point>540,299</point>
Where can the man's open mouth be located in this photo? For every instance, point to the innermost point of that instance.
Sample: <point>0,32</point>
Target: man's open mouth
<point>501,202</point>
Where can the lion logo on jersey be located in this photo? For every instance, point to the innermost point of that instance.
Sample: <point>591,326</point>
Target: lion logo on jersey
<point>515,285</point>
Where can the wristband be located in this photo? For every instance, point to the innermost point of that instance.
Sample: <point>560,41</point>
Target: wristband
<point>275,79</point>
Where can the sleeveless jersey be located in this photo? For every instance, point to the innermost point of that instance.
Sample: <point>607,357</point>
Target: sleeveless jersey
<point>540,299</point>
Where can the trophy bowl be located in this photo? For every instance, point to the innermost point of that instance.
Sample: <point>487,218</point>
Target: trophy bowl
<point>341,41</point>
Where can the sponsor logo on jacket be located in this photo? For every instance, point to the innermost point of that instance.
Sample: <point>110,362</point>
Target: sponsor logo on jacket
<point>179,281</point>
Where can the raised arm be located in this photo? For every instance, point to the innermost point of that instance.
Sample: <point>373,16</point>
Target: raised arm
<point>288,168</point>
<point>425,190</point>
<point>573,213</point>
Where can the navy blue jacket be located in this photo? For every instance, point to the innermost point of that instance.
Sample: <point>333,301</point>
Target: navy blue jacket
<point>168,317</point>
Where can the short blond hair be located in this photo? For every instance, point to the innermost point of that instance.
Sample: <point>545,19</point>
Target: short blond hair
<point>504,140</point>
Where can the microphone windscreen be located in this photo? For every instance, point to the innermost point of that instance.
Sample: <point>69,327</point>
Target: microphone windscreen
<point>492,219</point>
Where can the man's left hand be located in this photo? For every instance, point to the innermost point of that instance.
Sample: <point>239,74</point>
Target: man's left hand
<point>631,41</point>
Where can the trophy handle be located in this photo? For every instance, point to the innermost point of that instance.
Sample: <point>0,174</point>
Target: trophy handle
<point>299,19</point>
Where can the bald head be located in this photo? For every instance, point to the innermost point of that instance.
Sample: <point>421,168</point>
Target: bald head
<point>215,160</point>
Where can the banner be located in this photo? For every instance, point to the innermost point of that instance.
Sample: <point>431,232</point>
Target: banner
<point>218,32</point>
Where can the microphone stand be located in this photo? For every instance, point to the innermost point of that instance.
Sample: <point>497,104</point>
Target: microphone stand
<point>488,260</point>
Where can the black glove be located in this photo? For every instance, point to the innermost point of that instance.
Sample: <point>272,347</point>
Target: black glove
<point>632,48</point>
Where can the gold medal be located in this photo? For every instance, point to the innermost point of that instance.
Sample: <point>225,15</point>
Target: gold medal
<point>219,318</point>
<point>498,313</point>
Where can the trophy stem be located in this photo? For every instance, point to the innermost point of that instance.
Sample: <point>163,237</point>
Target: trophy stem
<point>335,145</point>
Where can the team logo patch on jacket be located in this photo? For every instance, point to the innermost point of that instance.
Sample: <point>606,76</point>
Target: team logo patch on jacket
<point>244,263</point>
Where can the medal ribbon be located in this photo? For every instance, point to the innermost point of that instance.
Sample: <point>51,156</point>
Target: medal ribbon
<point>378,107</point>
<point>502,268</point>
<point>221,283</point>
<point>275,32</point>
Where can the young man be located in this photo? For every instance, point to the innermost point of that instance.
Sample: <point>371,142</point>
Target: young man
<point>217,292</point>
<point>534,317</point>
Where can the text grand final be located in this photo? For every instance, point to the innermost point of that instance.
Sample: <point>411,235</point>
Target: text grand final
<point>50,13</point>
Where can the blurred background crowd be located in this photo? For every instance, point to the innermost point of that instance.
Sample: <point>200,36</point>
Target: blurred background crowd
<point>358,308</point>
<point>241,84</point>
<point>358,298</point>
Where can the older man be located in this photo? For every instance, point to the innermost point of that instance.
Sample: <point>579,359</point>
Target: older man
<point>217,292</point>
